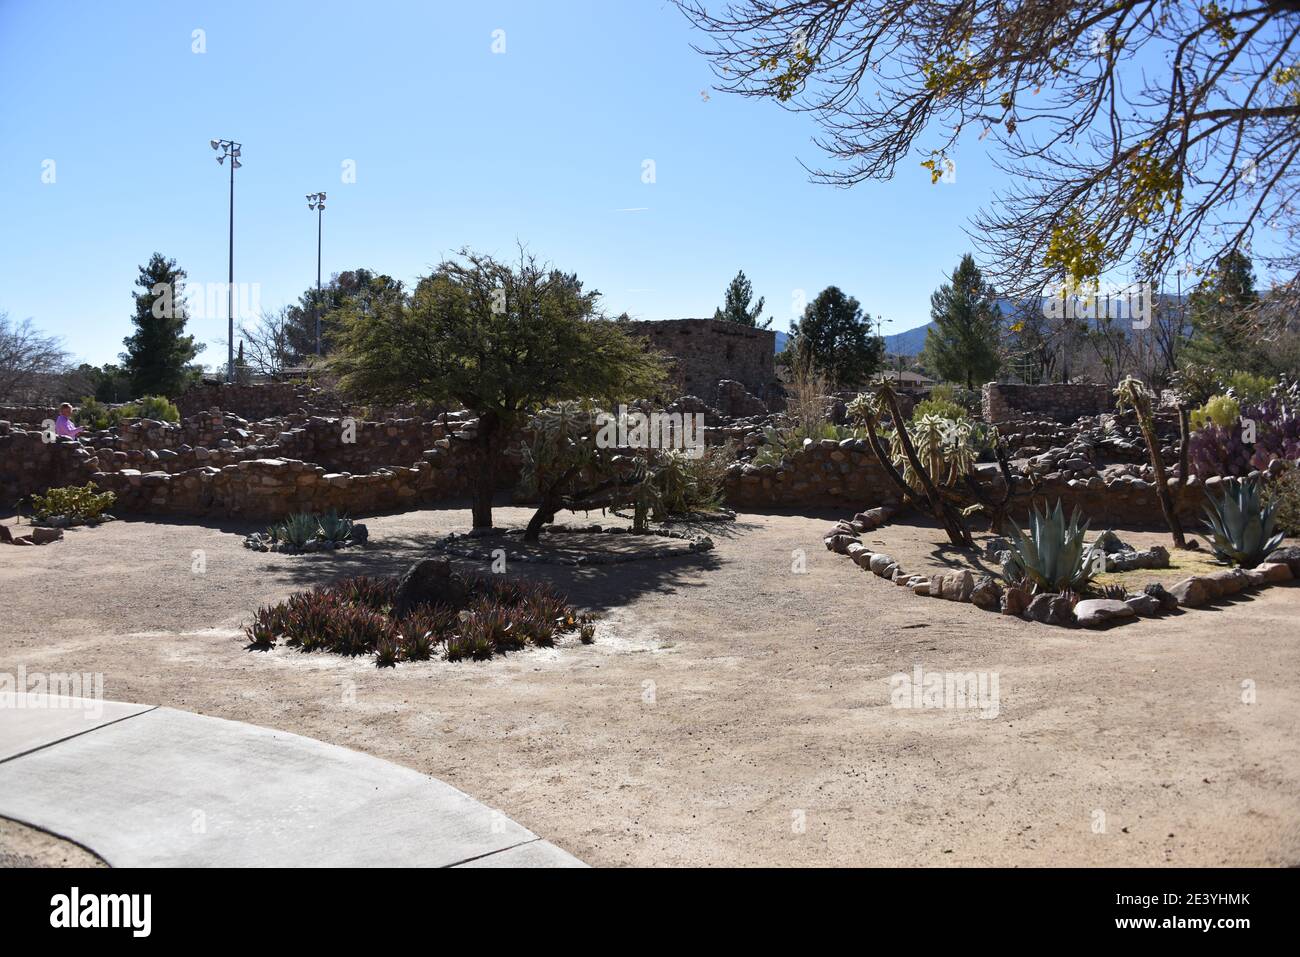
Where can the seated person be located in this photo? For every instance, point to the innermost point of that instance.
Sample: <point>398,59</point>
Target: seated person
<point>63,424</point>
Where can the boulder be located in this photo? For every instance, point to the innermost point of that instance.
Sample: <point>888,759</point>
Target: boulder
<point>1228,582</point>
<point>1094,612</point>
<point>43,536</point>
<point>428,582</point>
<point>1192,592</point>
<point>1274,572</point>
<point>1289,556</point>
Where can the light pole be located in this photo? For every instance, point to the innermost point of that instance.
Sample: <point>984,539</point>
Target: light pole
<point>316,201</point>
<point>229,148</point>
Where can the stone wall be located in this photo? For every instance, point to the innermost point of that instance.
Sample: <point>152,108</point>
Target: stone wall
<point>268,489</point>
<point>823,474</point>
<point>28,463</point>
<point>705,352</point>
<point>27,414</point>
<point>258,401</point>
<point>1003,402</point>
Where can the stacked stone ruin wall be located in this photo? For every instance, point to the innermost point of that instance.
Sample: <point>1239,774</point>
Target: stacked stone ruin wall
<point>1003,402</point>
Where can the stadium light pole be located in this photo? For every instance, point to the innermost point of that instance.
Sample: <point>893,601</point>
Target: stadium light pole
<point>229,149</point>
<point>316,201</point>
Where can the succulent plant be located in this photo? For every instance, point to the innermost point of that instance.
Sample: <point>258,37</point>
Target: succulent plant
<point>1241,527</point>
<point>296,530</point>
<point>1052,557</point>
<point>386,653</point>
<point>334,528</point>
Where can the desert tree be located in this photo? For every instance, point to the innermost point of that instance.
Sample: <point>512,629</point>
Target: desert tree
<point>26,356</point>
<point>1140,138</point>
<point>502,339</point>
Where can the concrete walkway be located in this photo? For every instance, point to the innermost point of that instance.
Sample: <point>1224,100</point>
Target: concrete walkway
<point>146,786</point>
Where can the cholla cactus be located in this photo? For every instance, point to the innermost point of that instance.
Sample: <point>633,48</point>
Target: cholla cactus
<point>944,447</point>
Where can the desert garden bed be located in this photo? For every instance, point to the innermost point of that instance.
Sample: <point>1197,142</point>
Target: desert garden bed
<point>429,612</point>
<point>912,554</point>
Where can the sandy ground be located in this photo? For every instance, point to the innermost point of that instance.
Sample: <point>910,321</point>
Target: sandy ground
<point>735,708</point>
<point>23,846</point>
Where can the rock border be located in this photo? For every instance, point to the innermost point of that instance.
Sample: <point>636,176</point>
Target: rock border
<point>1281,565</point>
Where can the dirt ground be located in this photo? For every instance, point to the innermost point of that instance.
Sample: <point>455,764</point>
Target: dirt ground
<point>23,846</point>
<point>736,706</point>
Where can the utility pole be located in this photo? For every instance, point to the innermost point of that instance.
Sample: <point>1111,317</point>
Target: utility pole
<point>316,201</point>
<point>229,148</point>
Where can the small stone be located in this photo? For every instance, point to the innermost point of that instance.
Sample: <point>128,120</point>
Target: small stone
<point>986,592</point>
<point>1014,601</point>
<point>880,561</point>
<point>1161,594</point>
<point>1094,612</point>
<point>43,536</point>
<point>1040,608</point>
<point>1144,605</point>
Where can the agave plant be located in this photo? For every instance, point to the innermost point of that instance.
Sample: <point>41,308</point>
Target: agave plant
<point>334,528</point>
<point>296,530</point>
<point>1051,557</point>
<point>1240,525</point>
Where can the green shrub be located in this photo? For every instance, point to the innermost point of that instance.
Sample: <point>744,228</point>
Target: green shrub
<point>74,504</point>
<point>943,408</point>
<point>1248,387</point>
<point>155,407</point>
<point>92,414</point>
<point>1220,410</point>
<point>1283,492</point>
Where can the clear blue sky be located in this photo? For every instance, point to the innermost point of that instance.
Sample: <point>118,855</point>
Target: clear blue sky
<point>453,145</point>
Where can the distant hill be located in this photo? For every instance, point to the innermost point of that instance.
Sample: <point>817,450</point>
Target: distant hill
<point>781,339</point>
<point>912,341</point>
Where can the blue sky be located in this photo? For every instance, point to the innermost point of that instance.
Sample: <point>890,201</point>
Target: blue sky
<point>453,145</point>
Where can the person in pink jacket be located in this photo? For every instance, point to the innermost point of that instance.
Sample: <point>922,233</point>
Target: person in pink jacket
<point>63,424</point>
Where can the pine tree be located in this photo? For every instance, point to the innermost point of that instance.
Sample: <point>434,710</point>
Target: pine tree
<point>834,337</point>
<point>735,307</point>
<point>962,346</point>
<point>157,353</point>
<point>1222,334</point>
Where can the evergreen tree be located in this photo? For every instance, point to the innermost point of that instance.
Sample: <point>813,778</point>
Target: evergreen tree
<point>962,346</point>
<point>834,337</point>
<point>158,353</point>
<point>1222,334</point>
<point>735,306</point>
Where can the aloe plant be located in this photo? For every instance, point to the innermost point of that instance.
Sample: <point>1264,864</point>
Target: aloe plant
<point>1240,525</point>
<point>1052,556</point>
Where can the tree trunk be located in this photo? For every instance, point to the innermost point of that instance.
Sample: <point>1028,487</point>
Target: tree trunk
<point>1146,422</point>
<point>544,514</point>
<point>485,487</point>
<point>952,521</point>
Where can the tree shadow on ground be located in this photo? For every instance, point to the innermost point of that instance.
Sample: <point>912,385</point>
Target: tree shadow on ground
<point>595,587</point>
